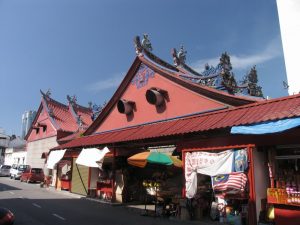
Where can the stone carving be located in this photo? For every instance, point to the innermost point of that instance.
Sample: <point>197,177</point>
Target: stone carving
<point>182,55</point>
<point>50,112</point>
<point>138,46</point>
<point>228,80</point>
<point>176,61</point>
<point>47,94</point>
<point>146,44</point>
<point>79,121</point>
<point>142,76</point>
<point>179,57</point>
<point>250,82</point>
<point>97,109</point>
<point>72,99</point>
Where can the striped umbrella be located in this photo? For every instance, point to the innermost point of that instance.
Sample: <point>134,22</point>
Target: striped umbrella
<point>143,158</point>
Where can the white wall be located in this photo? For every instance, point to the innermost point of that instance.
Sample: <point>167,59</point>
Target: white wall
<point>8,160</point>
<point>94,177</point>
<point>15,157</point>
<point>261,178</point>
<point>36,148</point>
<point>289,20</point>
<point>20,156</point>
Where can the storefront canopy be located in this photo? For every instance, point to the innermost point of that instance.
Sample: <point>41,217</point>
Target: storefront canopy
<point>54,157</point>
<point>91,157</point>
<point>267,127</point>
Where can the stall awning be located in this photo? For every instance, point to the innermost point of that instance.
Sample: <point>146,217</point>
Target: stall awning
<point>54,157</point>
<point>267,127</point>
<point>91,157</point>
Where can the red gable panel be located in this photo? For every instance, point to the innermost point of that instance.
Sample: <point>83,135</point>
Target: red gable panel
<point>183,97</point>
<point>179,101</point>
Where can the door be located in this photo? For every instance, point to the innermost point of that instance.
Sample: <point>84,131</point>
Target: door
<point>80,179</point>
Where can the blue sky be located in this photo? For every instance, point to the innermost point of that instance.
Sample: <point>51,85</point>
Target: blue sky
<point>85,47</point>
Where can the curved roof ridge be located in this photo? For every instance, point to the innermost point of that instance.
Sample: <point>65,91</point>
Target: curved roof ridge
<point>83,108</point>
<point>141,51</point>
<point>198,85</point>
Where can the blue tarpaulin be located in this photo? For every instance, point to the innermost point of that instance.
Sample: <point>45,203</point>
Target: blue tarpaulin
<point>267,127</point>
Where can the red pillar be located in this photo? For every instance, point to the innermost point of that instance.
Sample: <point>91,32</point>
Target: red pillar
<point>252,195</point>
<point>114,176</point>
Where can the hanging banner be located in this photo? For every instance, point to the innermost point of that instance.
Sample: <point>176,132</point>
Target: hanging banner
<point>211,164</point>
<point>91,157</point>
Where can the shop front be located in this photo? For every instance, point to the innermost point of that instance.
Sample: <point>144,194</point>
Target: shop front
<point>158,177</point>
<point>220,183</point>
<point>284,190</point>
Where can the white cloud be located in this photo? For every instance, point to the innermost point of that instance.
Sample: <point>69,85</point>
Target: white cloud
<point>105,84</point>
<point>271,51</point>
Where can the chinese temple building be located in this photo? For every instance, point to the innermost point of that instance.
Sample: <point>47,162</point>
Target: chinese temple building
<point>55,123</point>
<point>211,119</point>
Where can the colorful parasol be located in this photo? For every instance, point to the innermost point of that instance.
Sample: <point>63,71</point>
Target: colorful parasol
<point>143,158</point>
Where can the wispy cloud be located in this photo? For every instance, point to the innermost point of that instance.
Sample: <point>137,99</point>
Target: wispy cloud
<point>271,51</point>
<point>105,84</point>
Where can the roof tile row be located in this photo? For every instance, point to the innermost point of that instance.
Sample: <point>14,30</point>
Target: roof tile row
<point>268,110</point>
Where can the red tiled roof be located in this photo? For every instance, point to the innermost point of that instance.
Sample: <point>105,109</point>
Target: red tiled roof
<point>267,110</point>
<point>62,116</point>
<point>84,113</point>
<point>70,137</point>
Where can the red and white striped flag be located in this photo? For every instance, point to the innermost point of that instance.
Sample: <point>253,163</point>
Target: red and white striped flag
<point>233,182</point>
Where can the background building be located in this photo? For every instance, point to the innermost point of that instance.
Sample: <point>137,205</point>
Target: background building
<point>15,153</point>
<point>27,119</point>
<point>4,140</point>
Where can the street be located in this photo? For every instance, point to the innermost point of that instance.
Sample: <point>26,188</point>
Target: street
<point>39,206</point>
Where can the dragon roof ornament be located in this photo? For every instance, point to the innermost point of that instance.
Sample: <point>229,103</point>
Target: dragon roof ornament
<point>249,82</point>
<point>221,77</point>
<point>179,57</point>
<point>142,50</point>
<point>72,99</point>
<point>47,94</point>
<point>146,44</point>
<point>96,109</point>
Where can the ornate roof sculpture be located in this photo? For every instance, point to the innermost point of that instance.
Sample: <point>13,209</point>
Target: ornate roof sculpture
<point>146,44</point>
<point>250,80</point>
<point>96,109</point>
<point>144,52</point>
<point>220,77</point>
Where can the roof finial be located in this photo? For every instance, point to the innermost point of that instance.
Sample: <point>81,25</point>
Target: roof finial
<point>47,94</point>
<point>146,44</point>
<point>72,99</point>
<point>182,54</point>
<point>251,80</point>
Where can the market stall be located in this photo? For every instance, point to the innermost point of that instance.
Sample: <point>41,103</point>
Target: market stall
<point>284,191</point>
<point>218,184</point>
<point>161,178</point>
<point>64,174</point>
